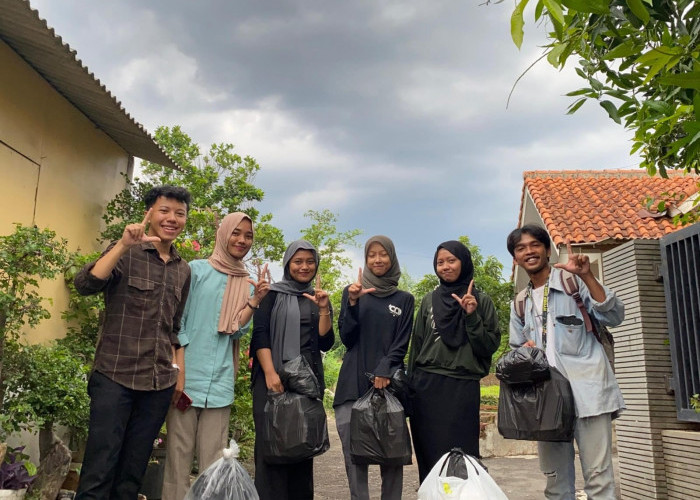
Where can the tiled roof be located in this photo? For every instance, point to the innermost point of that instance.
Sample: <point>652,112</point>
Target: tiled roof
<point>595,206</point>
<point>27,34</point>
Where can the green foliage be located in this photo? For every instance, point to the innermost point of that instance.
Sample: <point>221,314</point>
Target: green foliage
<point>48,386</point>
<point>84,314</point>
<point>332,362</point>
<point>639,59</point>
<point>26,256</point>
<point>219,181</point>
<point>241,425</point>
<point>695,402</point>
<point>489,394</point>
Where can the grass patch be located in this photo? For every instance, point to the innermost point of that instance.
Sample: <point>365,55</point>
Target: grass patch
<point>489,394</point>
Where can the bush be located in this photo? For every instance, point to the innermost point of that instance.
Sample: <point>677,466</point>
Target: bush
<point>332,362</point>
<point>489,394</point>
<point>49,387</point>
<point>241,424</point>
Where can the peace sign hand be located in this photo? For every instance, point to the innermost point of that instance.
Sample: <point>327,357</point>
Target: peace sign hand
<point>468,302</point>
<point>578,264</point>
<point>262,285</point>
<point>355,291</point>
<point>320,297</point>
<point>136,233</point>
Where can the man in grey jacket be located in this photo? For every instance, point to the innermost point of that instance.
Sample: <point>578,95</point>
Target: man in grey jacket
<point>553,321</point>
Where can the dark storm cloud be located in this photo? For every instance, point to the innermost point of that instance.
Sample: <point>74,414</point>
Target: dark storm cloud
<point>392,114</point>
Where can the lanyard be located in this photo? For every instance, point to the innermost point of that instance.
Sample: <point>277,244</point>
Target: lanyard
<point>545,300</point>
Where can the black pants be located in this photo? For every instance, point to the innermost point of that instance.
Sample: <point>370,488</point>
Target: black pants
<point>272,481</point>
<point>123,425</point>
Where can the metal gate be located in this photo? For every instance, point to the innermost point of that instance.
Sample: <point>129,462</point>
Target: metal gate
<point>680,253</point>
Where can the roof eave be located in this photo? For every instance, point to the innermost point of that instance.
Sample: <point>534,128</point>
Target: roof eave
<point>31,37</point>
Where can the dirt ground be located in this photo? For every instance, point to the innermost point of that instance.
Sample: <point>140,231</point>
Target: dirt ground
<point>331,483</point>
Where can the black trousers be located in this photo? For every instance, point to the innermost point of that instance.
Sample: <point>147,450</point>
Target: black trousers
<point>123,425</point>
<point>272,481</point>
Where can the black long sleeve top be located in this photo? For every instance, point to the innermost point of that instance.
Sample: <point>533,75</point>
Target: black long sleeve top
<point>375,331</point>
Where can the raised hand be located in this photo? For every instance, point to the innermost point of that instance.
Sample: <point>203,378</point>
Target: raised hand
<point>320,297</point>
<point>468,301</point>
<point>262,285</point>
<point>578,264</point>
<point>136,233</point>
<point>355,291</point>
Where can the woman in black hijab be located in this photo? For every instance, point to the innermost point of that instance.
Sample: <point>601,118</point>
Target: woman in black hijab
<point>294,318</point>
<point>454,337</point>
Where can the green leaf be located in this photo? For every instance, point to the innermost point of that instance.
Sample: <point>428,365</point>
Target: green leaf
<point>588,6</point>
<point>625,49</point>
<point>554,9</point>
<point>517,23</point>
<point>574,107</point>
<point>696,105</point>
<point>611,109</point>
<point>553,55</point>
<point>638,9</point>
<point>683,80</point>
<point>578,92</point>
<point>538,10</point>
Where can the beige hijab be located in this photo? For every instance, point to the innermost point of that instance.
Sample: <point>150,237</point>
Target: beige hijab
<point>237,287</point>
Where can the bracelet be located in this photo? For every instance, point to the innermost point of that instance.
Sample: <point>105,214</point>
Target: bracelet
<point>327,314</point>
<point>252,306</point>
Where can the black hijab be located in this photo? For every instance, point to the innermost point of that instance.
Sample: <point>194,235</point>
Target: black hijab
<point>448,314</point>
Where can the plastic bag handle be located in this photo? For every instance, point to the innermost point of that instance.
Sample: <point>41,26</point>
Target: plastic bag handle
<point>461,454</point>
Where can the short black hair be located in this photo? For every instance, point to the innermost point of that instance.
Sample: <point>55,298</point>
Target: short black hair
<point>174,192</point>
<point>537,232</point>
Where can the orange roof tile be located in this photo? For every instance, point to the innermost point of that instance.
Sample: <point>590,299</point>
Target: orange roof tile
<point>589,206</point>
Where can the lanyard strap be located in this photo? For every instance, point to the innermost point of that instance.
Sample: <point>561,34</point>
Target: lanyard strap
<point>545,300</point>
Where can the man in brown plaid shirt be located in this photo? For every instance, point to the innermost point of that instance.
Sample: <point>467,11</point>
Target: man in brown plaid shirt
<point>139,365</point>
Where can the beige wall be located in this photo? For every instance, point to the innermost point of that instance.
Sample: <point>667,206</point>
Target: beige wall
<point>58,170</point>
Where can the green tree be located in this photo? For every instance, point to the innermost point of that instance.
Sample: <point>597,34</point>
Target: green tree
<point>26,255</point>
<point>639,59</point>
<point>49,387</point>
<point>219,181</point>
<point>488,278</point>
<point>331,244</point>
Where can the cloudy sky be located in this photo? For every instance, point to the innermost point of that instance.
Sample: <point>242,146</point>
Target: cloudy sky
<point>392,114</point>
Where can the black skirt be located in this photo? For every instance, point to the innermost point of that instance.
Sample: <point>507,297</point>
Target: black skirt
<point>445,416</point>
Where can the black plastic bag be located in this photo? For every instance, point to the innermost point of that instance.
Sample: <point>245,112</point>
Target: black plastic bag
<point>295,428</point>
<point>524,365</point>
<point>297,376</point>
<point>225,479</point>
<point>378,430</point>
<point>400,387</point>
<point>537,412</point>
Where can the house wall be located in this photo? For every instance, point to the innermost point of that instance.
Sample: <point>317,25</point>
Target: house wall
<point>642,368</point>
<point>58,170</point>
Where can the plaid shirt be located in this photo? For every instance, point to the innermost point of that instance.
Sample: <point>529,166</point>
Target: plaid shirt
<point>144,301</point>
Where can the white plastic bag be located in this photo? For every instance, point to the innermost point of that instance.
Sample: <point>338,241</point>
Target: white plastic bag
<point>472,482</point>
<point>225,479</point>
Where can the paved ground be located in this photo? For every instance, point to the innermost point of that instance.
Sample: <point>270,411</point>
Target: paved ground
<point>518,477</point>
